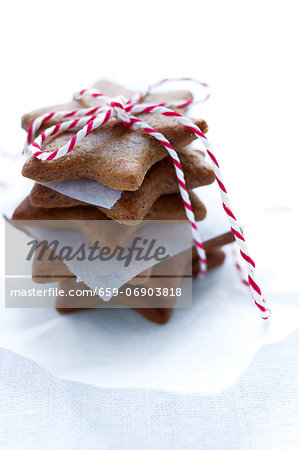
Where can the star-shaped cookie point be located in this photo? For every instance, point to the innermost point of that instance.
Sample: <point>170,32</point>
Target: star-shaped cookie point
<point>112,155</point>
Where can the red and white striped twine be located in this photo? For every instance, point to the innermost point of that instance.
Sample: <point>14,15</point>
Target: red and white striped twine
<point>84,120</point>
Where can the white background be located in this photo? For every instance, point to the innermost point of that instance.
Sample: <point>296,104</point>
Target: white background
<point>246,51</point>
<point>248,54</point>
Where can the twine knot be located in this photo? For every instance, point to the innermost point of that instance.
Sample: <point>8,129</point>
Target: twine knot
<point>118,105</point>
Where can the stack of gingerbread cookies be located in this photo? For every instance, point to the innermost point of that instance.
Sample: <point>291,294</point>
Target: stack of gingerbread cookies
<point>128,160</point>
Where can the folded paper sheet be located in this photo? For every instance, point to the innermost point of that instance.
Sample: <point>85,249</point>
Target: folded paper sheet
<point>88,191</point>
<point>98,273</point>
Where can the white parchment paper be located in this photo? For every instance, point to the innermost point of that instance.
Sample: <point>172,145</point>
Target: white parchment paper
<point>220,334</point>
<point>88,191</point>
<point>111,274</point>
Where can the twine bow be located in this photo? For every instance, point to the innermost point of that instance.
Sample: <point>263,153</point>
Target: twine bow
<point>85,120</point>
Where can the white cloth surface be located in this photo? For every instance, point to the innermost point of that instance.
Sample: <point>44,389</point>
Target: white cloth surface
<point>39,411</point>
<point>111,348</point>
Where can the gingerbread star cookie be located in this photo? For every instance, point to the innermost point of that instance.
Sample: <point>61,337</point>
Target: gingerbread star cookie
<point>134,206</point>
<point>113,155</point>
<point>97,227</point>
<point>64,304</point>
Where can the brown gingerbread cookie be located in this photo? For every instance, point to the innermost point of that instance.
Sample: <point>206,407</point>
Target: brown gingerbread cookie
<point>96,226</point>
<point>160,315</point>
<point>167,207</point>
<point>113,155</point>
<point>215,257</point>
<point>134,206</point>
<point>45,270</point>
